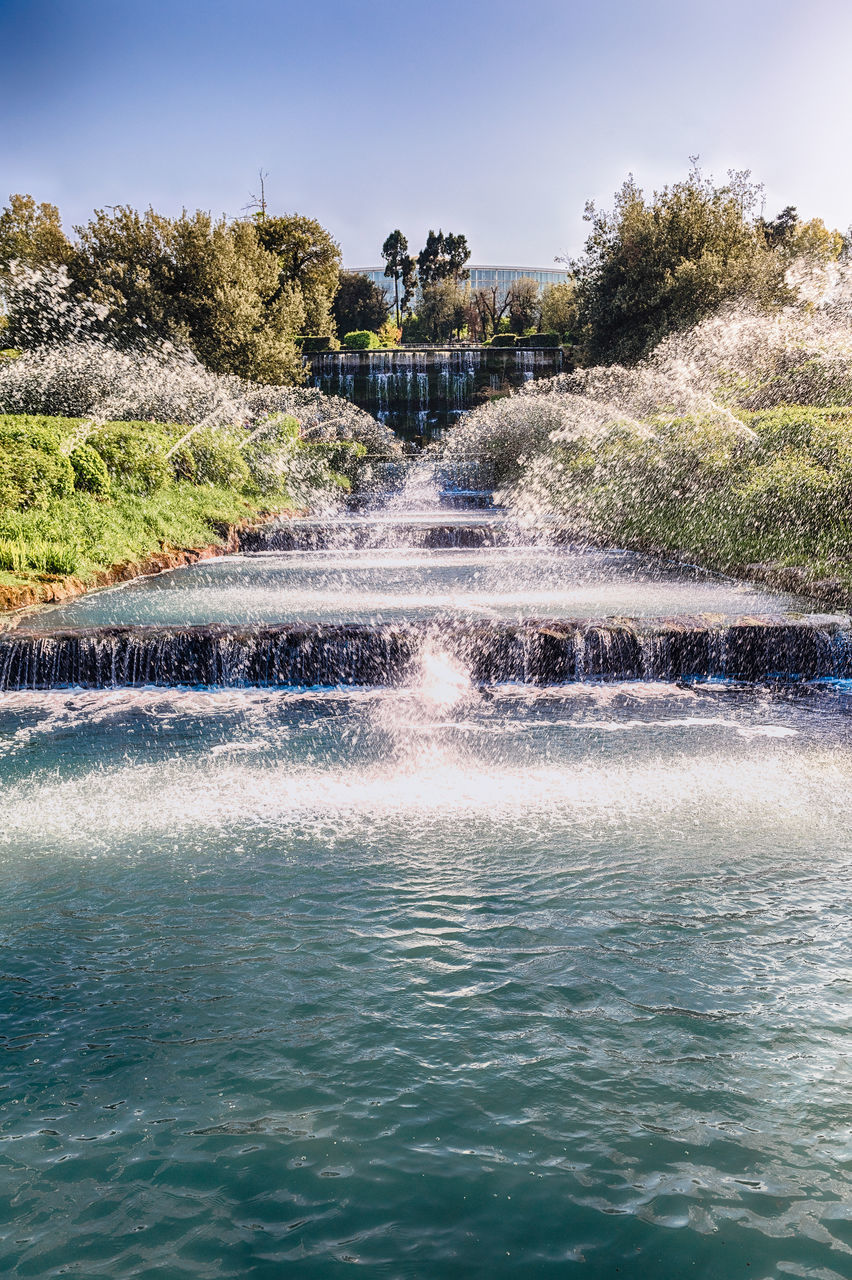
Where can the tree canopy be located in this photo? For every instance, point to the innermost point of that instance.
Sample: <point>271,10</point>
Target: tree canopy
<point>359,304</point>
<point>234,292</point>
<point>654,266</point>
<point>443,257</point>
<point>308,260</point>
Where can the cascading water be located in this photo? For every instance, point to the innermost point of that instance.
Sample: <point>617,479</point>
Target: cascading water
<point>421,392</point>
<point>424,923</point>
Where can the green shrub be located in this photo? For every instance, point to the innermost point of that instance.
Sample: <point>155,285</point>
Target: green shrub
<point>503,340</point>
<point>37,429</point>
<point>791,494</point>
<point>134,453</point>
<point>212,457</point>
<point>90,472</point>
<point>32,477</point>
<point>360,340</point>
<point>317,342</point>
<point>540,340</point>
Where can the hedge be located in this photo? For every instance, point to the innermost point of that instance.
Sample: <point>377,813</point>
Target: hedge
<point>503,340</point>
<point>540,340</point>
<point>312,343</point>
<point>360,340</point>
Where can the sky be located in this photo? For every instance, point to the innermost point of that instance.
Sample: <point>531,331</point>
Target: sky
<point>495,118</point>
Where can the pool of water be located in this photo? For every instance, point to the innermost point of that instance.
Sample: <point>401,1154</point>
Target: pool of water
<point>434,982</point>
<point>383,584</point>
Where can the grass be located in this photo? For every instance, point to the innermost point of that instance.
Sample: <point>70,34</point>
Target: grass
<point>82,535</point>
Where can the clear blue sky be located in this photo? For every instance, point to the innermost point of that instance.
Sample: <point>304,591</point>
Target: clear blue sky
<point>497,118</point>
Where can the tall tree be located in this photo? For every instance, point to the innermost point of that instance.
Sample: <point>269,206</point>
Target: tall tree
<point>400,268</point>
<point>32,235</point>
<point>654,266</point>
<point>309,260</point>
<point>457,253</point>
<point>524,307</point>
<point>359,304</point>
<point>443,257</point>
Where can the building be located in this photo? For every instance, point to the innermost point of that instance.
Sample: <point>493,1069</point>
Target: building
<point>481,277</point>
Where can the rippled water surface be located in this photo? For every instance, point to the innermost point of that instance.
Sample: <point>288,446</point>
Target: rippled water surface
<point>384,584</point>
<point>435,983</point>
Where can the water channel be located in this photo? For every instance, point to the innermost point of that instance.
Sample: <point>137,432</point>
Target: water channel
<point>441,967</point>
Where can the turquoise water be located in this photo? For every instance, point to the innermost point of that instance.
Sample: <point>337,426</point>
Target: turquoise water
<point>426,982</point>
<point>386,584</point>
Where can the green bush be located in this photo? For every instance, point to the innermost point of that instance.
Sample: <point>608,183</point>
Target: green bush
<point>540,340</point>
<point>90,472</point>
<point>212,457</point>
<point>503,340</point>
<point>37,429</point>
<point>317,342</point>
<point>792,494</point>
<point>31,476</point>
<point>134,453</point>
<point>360,340</point>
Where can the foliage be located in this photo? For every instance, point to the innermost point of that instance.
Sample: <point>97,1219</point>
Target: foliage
<point>312,343</point>
<point>90,471</point>
<point>549,340</point>
<point>794,239</point>
<point>213,456</point>
<point>389,334</point>
<point>308,260</point>
<point>359,304</point>
<point>31,234</point>
<point>666,456</point>
<point>651,268</point>
<point>443,309</point>
<point>443,258</point>
<point>233,292</point>
<point>503,340</point>
<point>558,308</point>
<point>32,475</point>
<point>360,340</point>
<point>134,453</point>
<point>89,378</point>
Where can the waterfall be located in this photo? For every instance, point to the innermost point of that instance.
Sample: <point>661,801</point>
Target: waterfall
<point>420,392</point>
<point>756,650</point>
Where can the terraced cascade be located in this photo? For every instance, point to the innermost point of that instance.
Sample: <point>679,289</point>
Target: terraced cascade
<point>424,892</point>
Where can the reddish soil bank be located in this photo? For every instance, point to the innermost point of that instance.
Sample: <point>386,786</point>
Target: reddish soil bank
<point>48,588</point>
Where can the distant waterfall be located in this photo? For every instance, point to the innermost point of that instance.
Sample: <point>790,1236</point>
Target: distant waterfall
<point>419,392</point>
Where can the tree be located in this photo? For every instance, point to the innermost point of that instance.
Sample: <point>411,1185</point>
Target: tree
<point>399,267</point>
<point>409,284</point>
<point>308,259</point>
<point>359,304</point>
<point>137,278</point>
<point>780,229</point>
<point>32,235</point>
<point>490,304</point>
<point>442,309</point>
<point>523,303</point>
<point>457,253</point>
<point>443,258</point>
<point>652,267</point>
<point>559,308</point>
